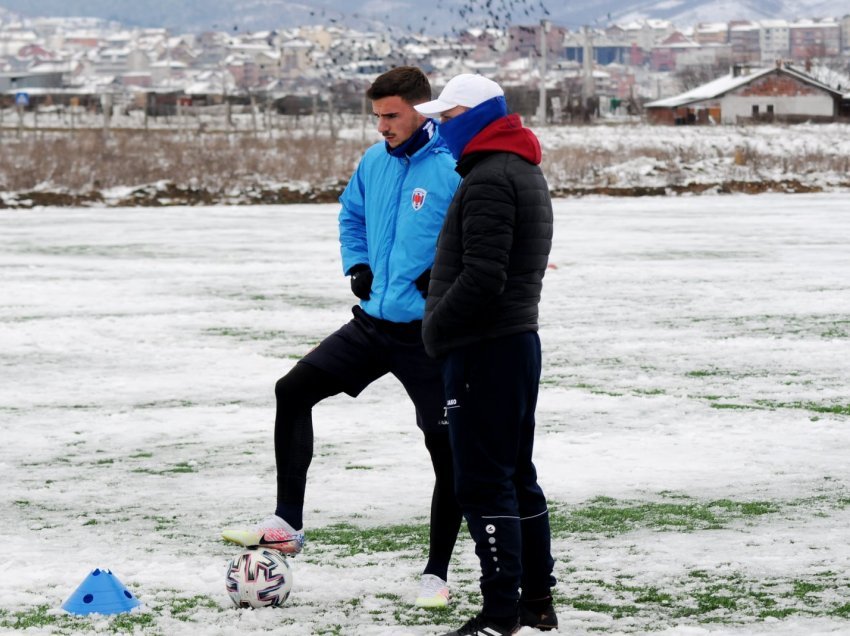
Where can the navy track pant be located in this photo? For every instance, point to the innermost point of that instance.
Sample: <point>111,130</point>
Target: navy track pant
<point>491,395</point>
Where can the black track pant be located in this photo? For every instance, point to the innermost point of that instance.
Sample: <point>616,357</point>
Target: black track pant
<point>491,389</point>
<point>348,360</point>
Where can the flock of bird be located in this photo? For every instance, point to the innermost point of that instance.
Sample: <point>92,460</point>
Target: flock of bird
<point>445,18</point>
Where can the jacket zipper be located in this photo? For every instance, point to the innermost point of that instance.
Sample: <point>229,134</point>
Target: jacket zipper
<point>406,163</point>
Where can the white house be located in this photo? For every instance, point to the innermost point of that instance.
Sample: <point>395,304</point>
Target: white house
<point>780,93</point>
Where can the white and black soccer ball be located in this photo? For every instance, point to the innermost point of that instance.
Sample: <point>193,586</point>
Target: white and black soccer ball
<point>259,577</point>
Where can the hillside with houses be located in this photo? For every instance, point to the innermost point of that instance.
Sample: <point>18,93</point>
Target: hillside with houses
<point>94,112</point>
<point>586,72</point>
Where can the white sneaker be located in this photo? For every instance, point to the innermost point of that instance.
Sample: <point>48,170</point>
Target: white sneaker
<point>272,532</point>
<point>433,592</point>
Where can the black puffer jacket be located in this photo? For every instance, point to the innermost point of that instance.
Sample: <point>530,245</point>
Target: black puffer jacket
<point>494,246</point>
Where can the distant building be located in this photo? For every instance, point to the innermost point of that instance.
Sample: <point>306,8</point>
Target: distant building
<point>815,39</point>
<point>774,40</point>
<point>745,38</point>
<point>647,33</point>
<point>780,93</point>
<point>663,56</point>
<point>523,41</point>
<point>611,46</point>
<point>20,82</point>
<point>711,33</point>
<point>295,56</point>
<point>845,35</point>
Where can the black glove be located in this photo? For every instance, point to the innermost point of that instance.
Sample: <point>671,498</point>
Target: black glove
<point>361,281</point>
<point>422,282</point>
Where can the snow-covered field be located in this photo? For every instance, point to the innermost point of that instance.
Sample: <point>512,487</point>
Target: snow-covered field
<point>694,422</point>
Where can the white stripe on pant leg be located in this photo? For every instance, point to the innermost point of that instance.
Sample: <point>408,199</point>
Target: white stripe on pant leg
<point>539,514</point>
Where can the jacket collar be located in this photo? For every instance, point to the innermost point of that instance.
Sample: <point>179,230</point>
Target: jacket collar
<point>418,140</point>
<point>459,130</point>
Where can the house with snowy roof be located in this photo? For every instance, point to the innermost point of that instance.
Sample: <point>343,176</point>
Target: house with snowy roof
<point>778,93</point>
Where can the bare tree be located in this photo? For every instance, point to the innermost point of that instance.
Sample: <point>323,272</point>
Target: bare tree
<point>690,77</point>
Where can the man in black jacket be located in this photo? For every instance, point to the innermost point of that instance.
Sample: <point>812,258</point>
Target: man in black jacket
<point>481,318</point>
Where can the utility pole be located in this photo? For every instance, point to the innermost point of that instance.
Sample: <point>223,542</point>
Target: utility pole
<point>587,60</point>
<point>545,25</point>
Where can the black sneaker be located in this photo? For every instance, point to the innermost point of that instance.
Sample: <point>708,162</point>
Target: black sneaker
<point>482,626</point>
<point>539,614</point>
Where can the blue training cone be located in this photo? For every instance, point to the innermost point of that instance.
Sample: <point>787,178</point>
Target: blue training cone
<point>100,592</point>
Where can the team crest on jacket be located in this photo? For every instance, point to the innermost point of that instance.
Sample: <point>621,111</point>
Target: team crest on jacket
<point>418,198</point>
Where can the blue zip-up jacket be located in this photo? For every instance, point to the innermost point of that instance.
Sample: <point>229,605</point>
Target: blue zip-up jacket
<point>392,212</point>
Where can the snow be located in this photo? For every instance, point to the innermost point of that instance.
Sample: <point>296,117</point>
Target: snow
<point>711,89</point>
<point>725,10</point>
<point>730,82</point>
<point>140,349</point>
<point>643,155</point>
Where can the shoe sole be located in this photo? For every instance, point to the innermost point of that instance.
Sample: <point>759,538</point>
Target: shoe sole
<point>284,547</point>
<point>431,603</point>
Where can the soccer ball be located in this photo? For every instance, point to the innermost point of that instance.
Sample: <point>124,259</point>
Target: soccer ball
<point>259,577</point>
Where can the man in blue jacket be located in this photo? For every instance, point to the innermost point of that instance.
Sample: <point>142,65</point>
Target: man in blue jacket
<point>392,212</point>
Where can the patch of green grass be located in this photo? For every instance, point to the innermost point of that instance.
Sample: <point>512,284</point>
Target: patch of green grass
<point>712,601</point>
<point>166,404</point>
<point>181,467</point>
<point>182,607</point>
<point>142,455</point>
<point>588,603</point>
<point>596,390</point>
<point>762,404</point>
<point>732,406</point>
<point>803,588</point>
<point>133,622</point>
<point>777,613</point>
<point>178,468</point>
<point>745,508</point>
<point>654,595</point>
<point>706,373</point>
<point>843,611</point>
<point>33,617</point>
<point>704,597</point>
<point>43,617</point>
<point>649,392</point>
<point>162,523</point>
<point>347,540</point>
<point>552,380</point>
<point>607,516</point>
<point>835,409</point>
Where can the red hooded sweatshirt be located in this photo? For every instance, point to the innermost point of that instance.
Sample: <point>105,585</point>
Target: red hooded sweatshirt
<point>506,134</point>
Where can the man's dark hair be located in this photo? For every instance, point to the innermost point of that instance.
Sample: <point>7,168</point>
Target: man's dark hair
<point>408,82</point>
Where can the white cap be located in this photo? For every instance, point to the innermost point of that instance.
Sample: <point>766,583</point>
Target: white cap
<point>462,90</point>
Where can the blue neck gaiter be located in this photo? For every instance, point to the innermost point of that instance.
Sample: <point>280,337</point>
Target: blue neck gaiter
<point>459,131</point>
<point>419,138</point>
